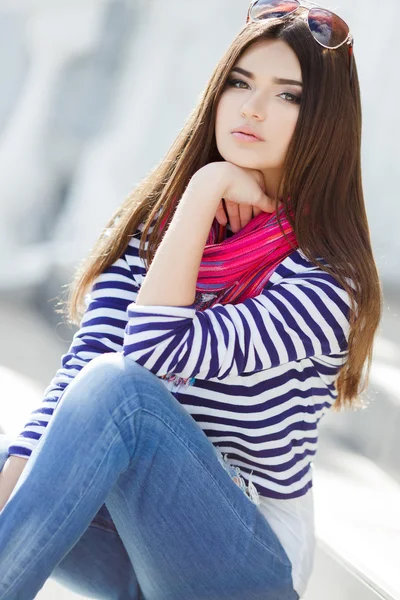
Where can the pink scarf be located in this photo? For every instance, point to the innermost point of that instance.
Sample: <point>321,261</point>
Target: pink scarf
<point>239,267</point>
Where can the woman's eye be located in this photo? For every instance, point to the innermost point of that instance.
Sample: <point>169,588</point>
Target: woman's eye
<point>294,99</point>
<point>233,82</point>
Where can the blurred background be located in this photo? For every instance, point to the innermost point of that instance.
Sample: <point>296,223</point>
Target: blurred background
<point>94,92</point>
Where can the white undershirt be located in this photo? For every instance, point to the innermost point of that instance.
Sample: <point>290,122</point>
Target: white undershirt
<point>293,522</point>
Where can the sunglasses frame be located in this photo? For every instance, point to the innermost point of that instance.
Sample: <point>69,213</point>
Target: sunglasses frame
<point>305,3</point>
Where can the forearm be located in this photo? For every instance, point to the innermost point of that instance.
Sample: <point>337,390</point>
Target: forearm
<point>9,476</point>
<point>171,279</point>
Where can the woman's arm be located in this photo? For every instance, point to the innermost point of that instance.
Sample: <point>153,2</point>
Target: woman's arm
<point>301,315</point>
<point>9,476</point>
<point>172,276</point>
<point>171,279</point>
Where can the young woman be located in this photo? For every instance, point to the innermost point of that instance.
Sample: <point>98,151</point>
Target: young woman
<point>234,300</point>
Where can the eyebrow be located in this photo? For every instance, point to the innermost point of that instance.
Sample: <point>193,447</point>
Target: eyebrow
<point>278,80</point>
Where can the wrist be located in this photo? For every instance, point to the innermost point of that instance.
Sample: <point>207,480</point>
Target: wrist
<point>212,178</point>
<point>9,477</point>
<point>13,467</point>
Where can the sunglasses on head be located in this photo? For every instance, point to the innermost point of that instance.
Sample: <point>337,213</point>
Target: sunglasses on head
<point>329,30</point>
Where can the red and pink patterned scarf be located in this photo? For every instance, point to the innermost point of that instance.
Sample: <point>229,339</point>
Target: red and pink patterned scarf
<point>236,268</point>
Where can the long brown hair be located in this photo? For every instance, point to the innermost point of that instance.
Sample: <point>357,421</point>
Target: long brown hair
<point>321,174</point>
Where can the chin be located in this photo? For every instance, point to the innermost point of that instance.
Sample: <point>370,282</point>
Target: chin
<point>240,159</point>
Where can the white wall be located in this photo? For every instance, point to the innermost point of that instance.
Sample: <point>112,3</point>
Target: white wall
<point>95,92</point>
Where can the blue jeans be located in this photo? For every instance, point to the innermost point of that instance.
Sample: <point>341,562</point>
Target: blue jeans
<point>125,497</point>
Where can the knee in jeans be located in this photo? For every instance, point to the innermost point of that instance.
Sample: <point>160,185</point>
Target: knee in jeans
<point>114,364</point>
<point>110,376</point>
<point>104,371</point>
<point>107,361</point>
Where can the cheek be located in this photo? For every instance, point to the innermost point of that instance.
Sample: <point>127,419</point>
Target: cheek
<point>221,125</point>
<point>285,129</point>
<point>221,116</point>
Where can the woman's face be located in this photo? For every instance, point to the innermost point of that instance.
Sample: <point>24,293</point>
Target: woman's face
<point>270,107</point>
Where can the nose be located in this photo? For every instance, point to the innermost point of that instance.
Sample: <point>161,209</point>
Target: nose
<point>254,107</point>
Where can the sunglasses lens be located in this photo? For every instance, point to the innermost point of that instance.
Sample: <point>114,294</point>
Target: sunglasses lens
<point>329,29</point>
<point>270,9</point>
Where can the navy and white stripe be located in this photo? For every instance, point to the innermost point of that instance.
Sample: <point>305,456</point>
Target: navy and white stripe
<point>264,369</point>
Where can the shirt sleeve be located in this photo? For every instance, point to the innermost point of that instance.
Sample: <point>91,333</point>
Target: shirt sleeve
<point>101,330</point>
<point>294,319</point>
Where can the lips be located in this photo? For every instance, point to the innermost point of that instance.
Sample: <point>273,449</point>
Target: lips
<point>244,137</point>
<point>249,132</point>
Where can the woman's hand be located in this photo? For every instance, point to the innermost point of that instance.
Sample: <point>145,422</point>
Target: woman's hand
<point>238,214</point>
<point>9,476</point>
<point>242,193</point>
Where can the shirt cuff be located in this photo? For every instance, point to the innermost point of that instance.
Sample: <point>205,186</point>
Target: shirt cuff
<point>167,311</point>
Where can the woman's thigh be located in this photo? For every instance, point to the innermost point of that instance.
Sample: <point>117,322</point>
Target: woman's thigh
<point>97,566</point>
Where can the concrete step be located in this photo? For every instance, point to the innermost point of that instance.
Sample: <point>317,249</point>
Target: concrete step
<point>335,579</point>
<point>357,520</point>
<point>52,590</point>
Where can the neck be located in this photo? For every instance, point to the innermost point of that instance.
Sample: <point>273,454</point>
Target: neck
<point>271,181</point>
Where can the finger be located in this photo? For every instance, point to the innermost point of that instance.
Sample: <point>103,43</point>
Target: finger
<point>256,211</point>
<point>264,203</point>
<point>246,214</point>
<point>221,215</point>
<point>232,208</point>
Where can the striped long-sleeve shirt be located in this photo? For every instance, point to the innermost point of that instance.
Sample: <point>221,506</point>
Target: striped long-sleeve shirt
<point>256,376</point>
